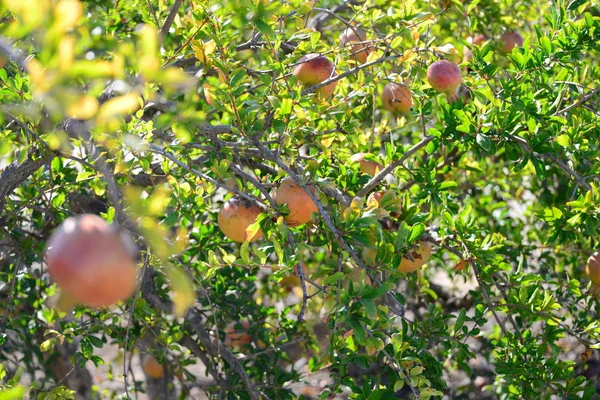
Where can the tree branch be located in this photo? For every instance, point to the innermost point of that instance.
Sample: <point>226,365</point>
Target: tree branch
<point>16,173</point>
<point>581,100</point>
<point>195,322</point>
<point>159,150</point>
<point>170,18</point>
<point>525,146</point>
<point>376,180</point>
<point>351,71</point>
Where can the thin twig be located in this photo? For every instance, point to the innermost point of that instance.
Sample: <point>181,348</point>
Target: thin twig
<point>376,180</point>
<point>581,100</point>
<point>157,149</point>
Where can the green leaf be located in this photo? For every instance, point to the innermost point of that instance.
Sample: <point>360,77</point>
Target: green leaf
<point>245,253</point>
<point>96,342</point>
<point>15,393</point>
<point>448,185</point>
<point>575,4</point>
<point>370,307</point>
<point>563,140</point>
<point>416,233</point>
<point>546,44</point>
<point>460,320</point>
<point>86,347</point>
<point>540,167</point>
<point>485,142</point>
<point>403,232</point>
<point>333,278</point>
<point>359,333</point>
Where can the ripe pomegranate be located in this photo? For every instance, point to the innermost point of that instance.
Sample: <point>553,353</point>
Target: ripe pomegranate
<point>152,367</point>
<point>510,40</point>
<point>592,268</point>
<point>300,204</point>
<point>421,255</point>
<point>396,98</point>
<point>235,216</point>
<point>314,69</point>
<point>359,52</point>
<point>92,261</point>
<point>445,77</point>
<point>366,166</point>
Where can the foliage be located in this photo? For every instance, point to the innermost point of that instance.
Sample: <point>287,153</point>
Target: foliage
<point>104,110</point>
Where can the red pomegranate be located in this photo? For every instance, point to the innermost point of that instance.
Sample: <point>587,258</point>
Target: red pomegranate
<point>313,69</point>
<point>92,261</point>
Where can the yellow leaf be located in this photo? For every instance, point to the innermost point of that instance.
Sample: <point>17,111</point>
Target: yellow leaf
<point>85,108</point>
<point>356,204</point>
<point>209,47</point>
<point>37,73</point>
<point>372,203</point>
<point>407,56</point>
<point>415,33</point>
<point>222,76</point>
<point>327,140</point>
<point>68,13</point>
<point>346,213</point>
<point>66,53</point>
<point>300,113</point>
<point>252,230</point>
<point>202,49</point>
<point>63,302</point>
<point>148,59</point>
<point>157,236</point>
<point>461,265</point>
<point>159,200</point>
<point>47,345</point>
<point>93,69</point>
<point>122,105</point>
<point>181,240</point>
<point>174,78</point>
<point>183,290</point>
<point>450,52</point>
<point>149,65</point>
<point>31,12</point>
<point>148,40</point>
<point>374,55</point>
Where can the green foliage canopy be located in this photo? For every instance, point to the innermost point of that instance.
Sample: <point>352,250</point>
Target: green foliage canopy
<point>105,109</point>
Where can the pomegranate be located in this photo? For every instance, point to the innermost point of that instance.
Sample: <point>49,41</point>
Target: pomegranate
<point>92,261</point>
<point>510,40</point>
<point>592,268</point>
<point>366,166</point>
<point>359,52</point>
<point>420,255</point>
<point>396,98</point>
<point>314,69</point>
<point>235,216</point>
<point>152,367</point>
<point>300,204</point>
<point>445,77</point>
